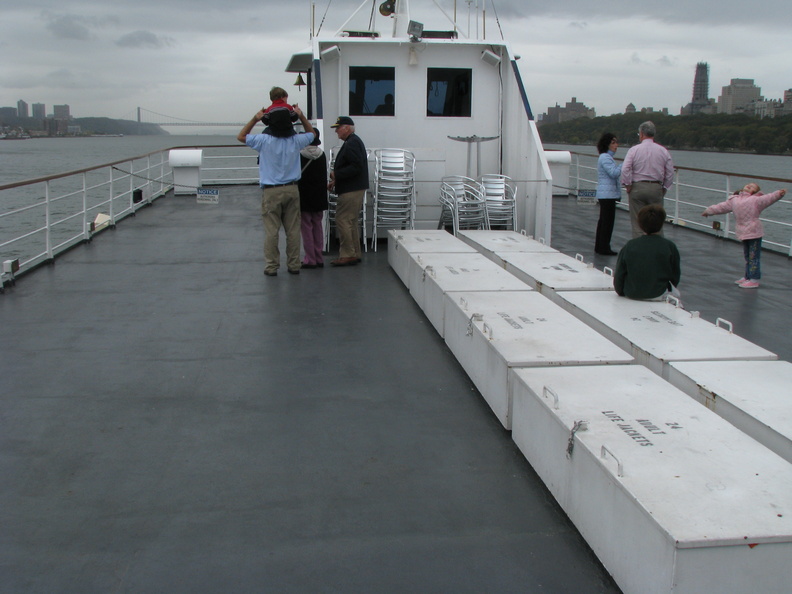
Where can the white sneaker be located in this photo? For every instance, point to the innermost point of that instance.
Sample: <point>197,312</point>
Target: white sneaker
<point>740,281</point>
<point>749,284</point>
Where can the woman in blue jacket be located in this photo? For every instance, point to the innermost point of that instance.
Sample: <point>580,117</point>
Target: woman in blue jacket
<point>608,192</point>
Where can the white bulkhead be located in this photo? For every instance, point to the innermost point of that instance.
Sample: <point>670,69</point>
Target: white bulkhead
<point>670,497</point>
<point>492,332</point>
<point>435,275</point>
<point>657,333</point>
<point>755,396</point>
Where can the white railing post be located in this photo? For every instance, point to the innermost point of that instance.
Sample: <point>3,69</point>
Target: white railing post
<point>676,196</point>
<point>47,222</point>
<point>131,203</point>
<point>86,230</point>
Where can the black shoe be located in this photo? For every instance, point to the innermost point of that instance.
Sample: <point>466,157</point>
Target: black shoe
<point>606,252</point>
<point>271,272</point>
<point>294,271</point>
<point>309,266</point>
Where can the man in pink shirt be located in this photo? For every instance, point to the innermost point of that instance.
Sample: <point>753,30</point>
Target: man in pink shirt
<point>647,174</point>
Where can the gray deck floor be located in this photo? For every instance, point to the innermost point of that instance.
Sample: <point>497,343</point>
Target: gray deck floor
<point>174,421</point>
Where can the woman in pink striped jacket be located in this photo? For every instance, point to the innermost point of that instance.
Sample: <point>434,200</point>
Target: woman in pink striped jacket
<point>747,205</point>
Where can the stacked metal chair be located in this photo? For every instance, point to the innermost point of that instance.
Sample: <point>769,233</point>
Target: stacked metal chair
<point>501,201</point>
<point>332,202</point>
<point>463,204</point>
<point>394,191</point>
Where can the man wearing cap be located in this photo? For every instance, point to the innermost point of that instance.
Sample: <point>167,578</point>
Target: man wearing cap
<point>279,170</point>
<point>349,179</point>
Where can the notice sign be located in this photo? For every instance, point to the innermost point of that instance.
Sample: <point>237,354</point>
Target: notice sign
<point>586,196</point>
<point>208,196</point>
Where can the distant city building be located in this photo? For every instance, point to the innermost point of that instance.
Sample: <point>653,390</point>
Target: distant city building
<point>61,112</point>
<point>630,108</point>
<point>701,102</point>
<point>571,111</point>
<point>22,109</point>
<point>664,110</point>
<point>8,114</point>
<point>738,96</point>
<point>39,111</point>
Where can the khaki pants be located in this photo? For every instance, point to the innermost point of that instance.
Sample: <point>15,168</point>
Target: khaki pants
<point>641,194</point>
<point>281,207</point>
<point>346,219</point>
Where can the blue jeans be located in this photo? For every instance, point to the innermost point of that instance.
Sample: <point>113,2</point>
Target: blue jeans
<point>752,248</point>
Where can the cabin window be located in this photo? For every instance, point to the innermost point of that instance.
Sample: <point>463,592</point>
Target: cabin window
<point>448,92</point>
<point>372,90</point>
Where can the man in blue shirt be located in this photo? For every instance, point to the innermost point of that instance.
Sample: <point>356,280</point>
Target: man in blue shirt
<point>279,169</point>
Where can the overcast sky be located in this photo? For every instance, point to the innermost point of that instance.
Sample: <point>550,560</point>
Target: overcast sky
<point>216,60</point>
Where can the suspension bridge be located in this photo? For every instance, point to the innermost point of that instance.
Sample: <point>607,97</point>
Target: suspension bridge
<point>146,116</point>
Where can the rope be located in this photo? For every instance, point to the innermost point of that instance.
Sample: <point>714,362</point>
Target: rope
<point>324,16</point>
<point>497,20</point>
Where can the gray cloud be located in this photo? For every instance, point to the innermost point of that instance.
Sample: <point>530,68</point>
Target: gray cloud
<point>144,39</point>
<point>68,27</point>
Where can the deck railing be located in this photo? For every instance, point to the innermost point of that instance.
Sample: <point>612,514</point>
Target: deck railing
<point>43,217</point>
<point>696,189</point>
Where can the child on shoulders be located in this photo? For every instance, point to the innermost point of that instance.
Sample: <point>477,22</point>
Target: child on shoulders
<point>280,100</point>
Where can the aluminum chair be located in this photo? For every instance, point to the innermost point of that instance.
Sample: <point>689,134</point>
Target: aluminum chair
<point>394,191</point>
<point>462,204</point>
<point>499,194</point>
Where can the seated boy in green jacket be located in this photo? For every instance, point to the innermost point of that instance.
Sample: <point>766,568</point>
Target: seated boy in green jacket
<point>648,266</point>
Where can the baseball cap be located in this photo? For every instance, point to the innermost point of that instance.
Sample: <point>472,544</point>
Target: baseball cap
<point>343,121</point>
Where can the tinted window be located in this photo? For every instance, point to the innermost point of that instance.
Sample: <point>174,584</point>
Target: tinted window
<point>448,92</point>
<point>371,90</point>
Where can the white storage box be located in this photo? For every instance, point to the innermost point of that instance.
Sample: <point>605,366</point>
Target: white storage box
<point>403,243</point>
<point>434,275</point>
<point>551,273</point>
<point>656,332</point>
<point>669,496</point>
<point>489,333</point>
<point>754,396</point>
<point>186,167</point>
<point>494,243</point>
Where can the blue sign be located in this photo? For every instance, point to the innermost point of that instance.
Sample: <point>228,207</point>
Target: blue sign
<point>208,196</point>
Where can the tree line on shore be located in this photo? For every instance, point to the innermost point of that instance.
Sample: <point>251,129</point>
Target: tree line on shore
<point>721,132</point>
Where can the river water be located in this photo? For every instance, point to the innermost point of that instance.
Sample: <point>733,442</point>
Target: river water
<point>39,157</point>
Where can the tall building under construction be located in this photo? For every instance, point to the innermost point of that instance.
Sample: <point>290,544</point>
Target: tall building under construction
<point>700,103</point>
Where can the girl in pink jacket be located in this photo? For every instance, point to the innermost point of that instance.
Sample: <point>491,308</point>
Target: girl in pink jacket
<point>747,205</point>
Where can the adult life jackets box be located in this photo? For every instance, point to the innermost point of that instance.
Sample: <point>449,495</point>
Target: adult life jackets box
<point>434,275</point>
<point>403,244</point>
<point>657,332</point>
<point>493,332</point>
<point>186,167</point>
<point>754,396</point>
<point>495,244</point>
<point>669,496</point>
<point>551,273</point>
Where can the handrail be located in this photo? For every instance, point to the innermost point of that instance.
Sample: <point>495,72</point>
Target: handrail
<point>689,199</point>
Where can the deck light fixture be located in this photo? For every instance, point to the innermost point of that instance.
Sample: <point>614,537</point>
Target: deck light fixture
<point>331,53</point>
<point>490,58</point>
<point>415,30</point>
